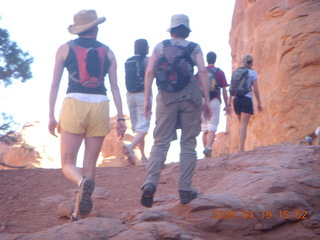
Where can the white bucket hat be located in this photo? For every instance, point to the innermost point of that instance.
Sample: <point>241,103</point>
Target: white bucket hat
<point>84,20</point>
<point>179,19</point>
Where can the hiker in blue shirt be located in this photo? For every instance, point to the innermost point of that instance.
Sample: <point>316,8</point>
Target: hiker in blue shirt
<point>179,105</point>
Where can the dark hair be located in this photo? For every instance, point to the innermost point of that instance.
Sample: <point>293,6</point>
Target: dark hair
<point>211,57</point>
<point>180,31</point>
<point>247,60</point>
<point>141,47</point>
<point>89,31</point>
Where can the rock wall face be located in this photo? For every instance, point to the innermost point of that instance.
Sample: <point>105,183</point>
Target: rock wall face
<point>283,36</point>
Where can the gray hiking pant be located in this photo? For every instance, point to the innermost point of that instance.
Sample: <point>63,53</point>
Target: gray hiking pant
<point>188,115</point>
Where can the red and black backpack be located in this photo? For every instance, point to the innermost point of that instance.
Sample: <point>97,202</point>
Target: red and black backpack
<point>91,62</point>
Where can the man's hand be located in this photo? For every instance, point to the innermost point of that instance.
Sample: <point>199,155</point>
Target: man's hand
<point>207,110</point>
<point>121,129</point>
<point>227,109</point>
<point>147,108</point>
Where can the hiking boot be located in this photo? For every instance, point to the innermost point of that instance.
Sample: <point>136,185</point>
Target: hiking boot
<point>207,151</point>
<point>144,161</point>
<point>84,202</point>
<point>128,151</point>
<point>187,196</point>
<point>147,195</point>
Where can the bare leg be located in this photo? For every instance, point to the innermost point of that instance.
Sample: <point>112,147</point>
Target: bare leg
<point>141,147</point>
<point>91,154</point>
<point>70,144</point>
<point>210,138</point>
<point>204,139</point>
<point>137,139</point>
<point>245,117</point>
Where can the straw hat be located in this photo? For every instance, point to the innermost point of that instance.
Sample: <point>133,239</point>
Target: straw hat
<point>179,19</point>
<point>84,20</point>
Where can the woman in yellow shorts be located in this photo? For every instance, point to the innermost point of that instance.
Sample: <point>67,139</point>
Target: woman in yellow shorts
<point>85,111</point>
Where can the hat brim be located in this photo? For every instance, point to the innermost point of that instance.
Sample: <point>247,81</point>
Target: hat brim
<point>173,26</point>
<point>76,29</point>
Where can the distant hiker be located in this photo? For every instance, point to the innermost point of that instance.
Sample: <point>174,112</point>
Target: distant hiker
<point>135,68</point>
<point>179,105</point>
<point>309,139</point>
<point>242,82</point>
<point>217,81</point>
<point>85,110</point>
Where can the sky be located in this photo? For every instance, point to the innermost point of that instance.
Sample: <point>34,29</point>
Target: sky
<point>40,27</point>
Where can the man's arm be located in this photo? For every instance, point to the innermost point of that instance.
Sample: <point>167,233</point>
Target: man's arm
<point>148,80</point>
<point>203,75</point>
<point>224,85</point>
<point>227,107</point>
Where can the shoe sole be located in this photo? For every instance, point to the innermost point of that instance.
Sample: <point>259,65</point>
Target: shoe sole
<point>85,203</point>
<point>147,197</point>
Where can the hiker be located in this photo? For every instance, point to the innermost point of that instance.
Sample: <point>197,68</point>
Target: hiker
<point>178,105</point>
<point>135,70</point>
<point>310,137</point>
<point>85,110</point>
<point>241,95</point>
<point>217,81</point>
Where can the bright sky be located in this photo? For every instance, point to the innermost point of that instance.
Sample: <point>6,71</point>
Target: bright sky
<point>40,27</point>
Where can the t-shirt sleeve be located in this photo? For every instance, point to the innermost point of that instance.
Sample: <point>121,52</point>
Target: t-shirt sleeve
<point>221,79</point>
<point>253,75</point>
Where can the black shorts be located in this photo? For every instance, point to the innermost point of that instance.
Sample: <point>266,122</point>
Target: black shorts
<point>243,104</point>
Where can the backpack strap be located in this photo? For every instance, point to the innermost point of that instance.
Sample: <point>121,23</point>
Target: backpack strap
<point>72,43</point>
<point>190,47</point>
<point>166,43</point>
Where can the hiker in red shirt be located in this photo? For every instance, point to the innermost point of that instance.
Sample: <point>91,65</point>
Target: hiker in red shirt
<point>217,81</point>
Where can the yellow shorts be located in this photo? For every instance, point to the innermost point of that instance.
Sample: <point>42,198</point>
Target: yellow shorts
<point>91,119</point>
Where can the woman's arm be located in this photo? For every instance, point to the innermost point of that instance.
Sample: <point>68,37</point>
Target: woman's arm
<point>61,55</point>
<point>121,126</point>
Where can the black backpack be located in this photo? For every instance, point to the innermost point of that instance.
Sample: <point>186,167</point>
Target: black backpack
<point>135,69</point>
<point>175,67</point>
<point>214,86</point>
<point>239,85</point>
<point>91,63</point>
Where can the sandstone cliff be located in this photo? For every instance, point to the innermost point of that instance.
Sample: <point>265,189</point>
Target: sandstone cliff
<point>284,39</point>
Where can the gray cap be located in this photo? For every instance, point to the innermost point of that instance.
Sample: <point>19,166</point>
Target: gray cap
<point>179,19</point>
